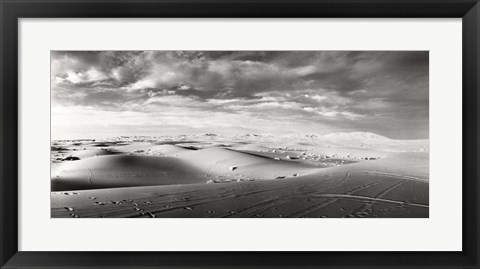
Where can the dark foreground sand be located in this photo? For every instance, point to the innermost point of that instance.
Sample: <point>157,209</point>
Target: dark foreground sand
<point>340,175</point>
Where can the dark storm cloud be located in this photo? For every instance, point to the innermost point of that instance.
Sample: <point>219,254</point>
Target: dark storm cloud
<point>379,91</point>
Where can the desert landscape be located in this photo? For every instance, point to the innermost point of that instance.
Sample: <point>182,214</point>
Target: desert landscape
<point>336,175</point>
<point>239,134</point>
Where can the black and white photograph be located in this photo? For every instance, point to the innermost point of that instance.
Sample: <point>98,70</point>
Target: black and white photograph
<point>239,134</point>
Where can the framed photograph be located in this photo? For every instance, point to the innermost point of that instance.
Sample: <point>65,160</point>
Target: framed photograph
<point>239,134</point>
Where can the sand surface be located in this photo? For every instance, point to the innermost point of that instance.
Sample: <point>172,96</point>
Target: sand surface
<point>337,175</point>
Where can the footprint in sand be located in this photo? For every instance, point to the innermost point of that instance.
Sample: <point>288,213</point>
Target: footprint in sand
<point>167,206</point>
<point>100,203</point>
<point>137,209</point>
<point>147,202</point>
<point>232,212</point>
<point>187,208</point>
<point>210,211</point>
<point>151,214</point>
<point>92,198</point>
<point>69,208</point>
<point>74,215</point>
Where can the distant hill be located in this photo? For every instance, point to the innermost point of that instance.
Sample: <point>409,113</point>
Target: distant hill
<point>355,136</point>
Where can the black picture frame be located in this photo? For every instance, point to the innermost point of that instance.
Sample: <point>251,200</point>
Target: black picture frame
<point>12,10</point>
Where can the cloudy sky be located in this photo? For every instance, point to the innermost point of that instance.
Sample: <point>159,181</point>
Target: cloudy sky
<point>112,93</point>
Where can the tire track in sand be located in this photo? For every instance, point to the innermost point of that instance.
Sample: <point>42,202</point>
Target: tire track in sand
<point>362,209</point>
<point>368,205</point>
<point>315,208</point>
<point>367,198</point>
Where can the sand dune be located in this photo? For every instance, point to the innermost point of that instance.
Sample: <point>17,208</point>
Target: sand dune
<point>191,166</point>
<point>363,136</point>
<point>227,162</point>
<point>259,176</point>
<point>123,171</point>
<point>339,192</point>
<point>93,153</point>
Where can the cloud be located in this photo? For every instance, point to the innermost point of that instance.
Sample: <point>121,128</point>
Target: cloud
<point>379,91</point>
<point>82,77</point>
<point>141,84</point>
